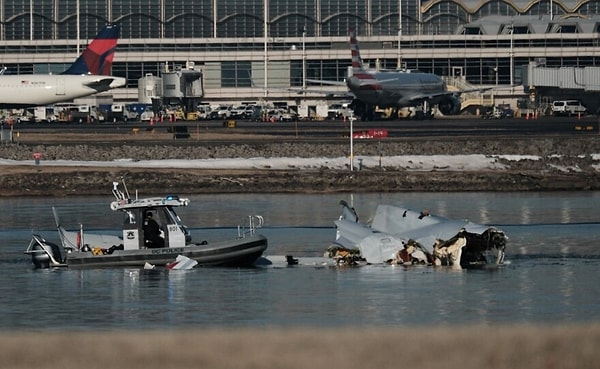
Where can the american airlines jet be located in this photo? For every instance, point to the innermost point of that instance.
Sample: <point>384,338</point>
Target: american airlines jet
<point>88,75</point>
<point>396,89</point>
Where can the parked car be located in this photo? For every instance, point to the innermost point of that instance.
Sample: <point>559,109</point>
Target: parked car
<point>568,107</point>
<point>338,111</point>
<point>505,111</point>
<point>221,112</point>
<point>242,112</point>
<point>281,115</point>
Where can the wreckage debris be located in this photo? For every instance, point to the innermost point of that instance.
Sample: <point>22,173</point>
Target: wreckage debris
<point>401,236</point>
<point>343,256</point>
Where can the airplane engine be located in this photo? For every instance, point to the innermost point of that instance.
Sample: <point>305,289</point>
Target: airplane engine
<point>449,105</point>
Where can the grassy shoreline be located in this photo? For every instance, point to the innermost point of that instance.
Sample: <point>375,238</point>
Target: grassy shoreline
<point>88,181</point>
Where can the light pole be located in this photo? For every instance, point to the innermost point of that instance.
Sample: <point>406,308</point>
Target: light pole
<point>496,72</point>
<point>512,54</point>
<point>303,59</point>
<point>266,50</point>
<point>399,34</point>
<point>78,26</point>
<point>351,118</point>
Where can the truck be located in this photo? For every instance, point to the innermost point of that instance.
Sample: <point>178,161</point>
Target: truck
<point>44,114</point>
<point>116,113</point>
<point>317,111</point>
<point>83,114</point>
<point>338,111</point>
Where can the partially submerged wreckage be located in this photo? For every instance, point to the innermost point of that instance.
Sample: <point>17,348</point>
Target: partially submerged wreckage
<point>403,236</point>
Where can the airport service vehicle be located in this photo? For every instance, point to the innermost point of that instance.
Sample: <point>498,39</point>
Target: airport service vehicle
<point>568,107</point>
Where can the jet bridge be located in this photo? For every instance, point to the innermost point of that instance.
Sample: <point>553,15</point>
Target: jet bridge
<point>182,86</point>
<point>564,83</point>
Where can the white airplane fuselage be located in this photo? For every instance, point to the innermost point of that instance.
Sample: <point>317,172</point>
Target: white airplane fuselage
<point>40,89</point>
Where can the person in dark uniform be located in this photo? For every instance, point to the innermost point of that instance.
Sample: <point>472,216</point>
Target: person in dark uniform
<point>152,233</point>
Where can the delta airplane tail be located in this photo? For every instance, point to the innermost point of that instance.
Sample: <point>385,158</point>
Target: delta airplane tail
<point>97,58</point>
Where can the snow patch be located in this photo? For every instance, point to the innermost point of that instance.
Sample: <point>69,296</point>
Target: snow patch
<point>409,162</point>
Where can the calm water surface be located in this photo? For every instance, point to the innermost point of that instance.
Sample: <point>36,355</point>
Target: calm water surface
<point>553,259</point>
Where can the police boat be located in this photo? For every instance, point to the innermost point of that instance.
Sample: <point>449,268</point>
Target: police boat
<point>140,245</point>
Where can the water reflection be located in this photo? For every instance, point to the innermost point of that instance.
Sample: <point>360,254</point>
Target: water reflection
<point>229,210</point>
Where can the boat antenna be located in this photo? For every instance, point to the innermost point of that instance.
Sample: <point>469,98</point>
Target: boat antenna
<point>125,187</point>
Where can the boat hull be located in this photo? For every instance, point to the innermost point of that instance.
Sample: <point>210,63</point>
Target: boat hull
<point>241,252</point>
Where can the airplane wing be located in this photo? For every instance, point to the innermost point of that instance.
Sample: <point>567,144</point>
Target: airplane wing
<point>324,82</point>
<point>327,93</point>
<point>480,89</point>
<point>363,82</point>
<point>100,85</point>
<point>315,91</point>
<point>423,97</point>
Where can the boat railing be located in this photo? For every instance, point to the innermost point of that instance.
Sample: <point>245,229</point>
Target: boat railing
<point>251,224</point>
<point>40,249</point>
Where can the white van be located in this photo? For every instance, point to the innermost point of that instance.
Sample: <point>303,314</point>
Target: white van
<point>568,107</point>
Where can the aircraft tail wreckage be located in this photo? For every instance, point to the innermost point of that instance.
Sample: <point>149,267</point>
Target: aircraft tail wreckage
<point>403,236</point>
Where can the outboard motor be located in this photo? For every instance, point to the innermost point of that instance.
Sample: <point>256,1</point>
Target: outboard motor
<point>44,254</point>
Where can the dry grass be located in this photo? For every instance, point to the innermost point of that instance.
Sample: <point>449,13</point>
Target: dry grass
<point>490,347</point>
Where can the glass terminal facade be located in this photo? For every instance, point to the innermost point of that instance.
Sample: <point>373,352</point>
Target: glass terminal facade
<point>233,40</point>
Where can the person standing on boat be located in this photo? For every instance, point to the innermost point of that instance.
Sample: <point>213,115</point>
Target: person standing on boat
<point>152,232</point>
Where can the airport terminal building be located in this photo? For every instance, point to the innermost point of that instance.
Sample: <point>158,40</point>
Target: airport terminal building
<point>255,49</point>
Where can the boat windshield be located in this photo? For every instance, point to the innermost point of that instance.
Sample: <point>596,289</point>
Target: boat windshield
<point>173,217</point>
<point>129,217</point>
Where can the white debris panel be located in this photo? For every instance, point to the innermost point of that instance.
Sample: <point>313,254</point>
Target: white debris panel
<point>400,235</point>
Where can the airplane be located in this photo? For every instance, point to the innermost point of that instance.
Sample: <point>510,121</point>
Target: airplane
<point>89,74</point>
<point>396,89</point>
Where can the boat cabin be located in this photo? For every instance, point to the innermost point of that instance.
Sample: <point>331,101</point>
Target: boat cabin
<point>152,222</point>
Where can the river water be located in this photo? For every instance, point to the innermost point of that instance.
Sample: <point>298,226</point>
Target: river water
<point>551,274</point>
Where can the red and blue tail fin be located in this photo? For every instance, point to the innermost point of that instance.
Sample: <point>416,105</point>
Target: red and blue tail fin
<point>97,58</point>
<point>356,60</point>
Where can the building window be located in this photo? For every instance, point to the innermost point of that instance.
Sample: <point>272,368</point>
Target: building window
<point>236,74</point>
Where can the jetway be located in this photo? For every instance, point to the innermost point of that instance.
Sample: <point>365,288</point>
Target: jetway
<point>180,86</point>
<point>564,83</point>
